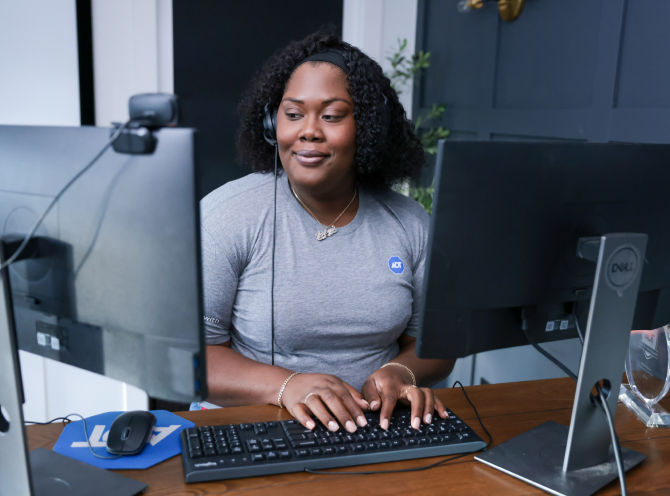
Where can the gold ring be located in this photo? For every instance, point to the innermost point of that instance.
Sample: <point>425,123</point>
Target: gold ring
<point>410,387</point>
<point>310,394</point>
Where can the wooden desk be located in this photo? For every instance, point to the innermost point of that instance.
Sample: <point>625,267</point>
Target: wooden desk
<point>506,409</point>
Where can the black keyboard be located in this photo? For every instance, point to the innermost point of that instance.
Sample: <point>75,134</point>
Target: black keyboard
<point>264,448</point>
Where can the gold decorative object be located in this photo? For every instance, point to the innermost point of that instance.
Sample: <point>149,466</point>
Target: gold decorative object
<point>509,10</point>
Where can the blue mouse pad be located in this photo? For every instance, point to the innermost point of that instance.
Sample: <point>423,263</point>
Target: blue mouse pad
<point>163,444</point>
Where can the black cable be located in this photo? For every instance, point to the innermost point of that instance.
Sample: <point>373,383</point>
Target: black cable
<point>426,467</point>
<point>37,223</point>
<point>64,419</point>
<point>272,286</point>
<point>549,356</point>
<point>67,419</point>
<point>579,329</point>
<point>616,447</point>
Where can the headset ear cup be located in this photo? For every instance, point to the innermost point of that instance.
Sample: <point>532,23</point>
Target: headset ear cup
<point>270,125</point>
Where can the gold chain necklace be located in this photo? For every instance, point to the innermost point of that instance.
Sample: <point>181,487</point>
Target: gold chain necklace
<point>327,230</point>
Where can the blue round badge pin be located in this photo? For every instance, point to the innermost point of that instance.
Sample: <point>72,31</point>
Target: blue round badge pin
<point>396,265</point>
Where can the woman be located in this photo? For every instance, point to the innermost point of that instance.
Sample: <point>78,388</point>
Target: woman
<point>349,254</point>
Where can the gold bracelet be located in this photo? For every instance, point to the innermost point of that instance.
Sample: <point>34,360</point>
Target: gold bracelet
<point>281,391</point>
<point>406,368</point>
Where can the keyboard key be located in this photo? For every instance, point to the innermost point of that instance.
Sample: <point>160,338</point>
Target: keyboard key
<point>396,443</point>
<point>301,452</point>
<point>267,447</point>
<point>464,436</point>
<point>341,448</point>
<point>360,437</point>
<point>290,422</point>
<point>235,444</point>
<point>357,447</point>
<point>206,428</point>
<point>303,443</point>
<point>271,425</point>
<point>285,454</point>
<point>323,441</point>
<point>371,445</point>
<point>315,451</point>
<point>195,453</point>
<point>372,436</point>
<point>336,440</point>
<point>194,443</point>
<point>222,451</point>
<point>254,448</point>
<point>245,427</point>
<point>423,440</point>
<point>271,455</point>
<point>328,450</point>
<point>348,438</point>
<point>252,441</point>
<point>257,457</point>
<point>237,450</point>
<point>260,430</point>
<point>192,432</point>
<point>384,444</point>
<point>210,452</point>
<point>224,427</point>
<point>281,445</point>
<point>435,439</point>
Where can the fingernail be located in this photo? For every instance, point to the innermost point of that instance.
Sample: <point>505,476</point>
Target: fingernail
<point>332,425</point>
<point>310,424</point>
<point>429,418</point>
<point>361,421</point>
<point>416,422</point>
<point>374,404</point>
<point>385,424</point>
<point>351,427</point>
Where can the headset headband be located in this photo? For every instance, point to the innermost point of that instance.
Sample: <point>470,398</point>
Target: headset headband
<point>332,55</point>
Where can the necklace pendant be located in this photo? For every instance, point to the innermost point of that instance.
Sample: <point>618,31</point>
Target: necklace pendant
<point>331,230</point>
<point>320,236</point>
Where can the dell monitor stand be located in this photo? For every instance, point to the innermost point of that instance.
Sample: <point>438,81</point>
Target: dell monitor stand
<point>579,460</point>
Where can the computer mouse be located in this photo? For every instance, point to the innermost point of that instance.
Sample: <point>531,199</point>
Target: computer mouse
<point>130,432</point>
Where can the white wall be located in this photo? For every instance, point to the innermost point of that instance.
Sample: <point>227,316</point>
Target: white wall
<point>39,85</point>
<point>39,75</point>
<point>374,26</point>
<point>132,53</point>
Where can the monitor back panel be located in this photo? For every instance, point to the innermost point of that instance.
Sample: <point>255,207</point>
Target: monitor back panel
<point>504,230</point>
<point>116,288</point>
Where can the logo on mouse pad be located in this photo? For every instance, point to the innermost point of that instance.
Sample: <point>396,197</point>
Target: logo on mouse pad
<point>163,444</point>
<point>396,265</point>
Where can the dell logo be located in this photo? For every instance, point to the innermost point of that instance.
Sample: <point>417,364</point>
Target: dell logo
<point>623,267</point>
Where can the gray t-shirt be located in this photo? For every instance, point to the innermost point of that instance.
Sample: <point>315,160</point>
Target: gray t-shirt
<point>340,304</point>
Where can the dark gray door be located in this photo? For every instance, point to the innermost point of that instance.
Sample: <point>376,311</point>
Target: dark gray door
<point>592,70</point>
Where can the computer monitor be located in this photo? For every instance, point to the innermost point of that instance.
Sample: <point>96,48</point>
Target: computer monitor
<point>112,280</point>
<point>505,222</point>
<point>524,237</point>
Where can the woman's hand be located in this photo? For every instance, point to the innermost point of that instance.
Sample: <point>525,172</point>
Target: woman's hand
<point>315,394</point>
<point>385,387</point>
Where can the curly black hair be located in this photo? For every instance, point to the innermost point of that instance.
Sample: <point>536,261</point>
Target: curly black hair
<point>380,161</point>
